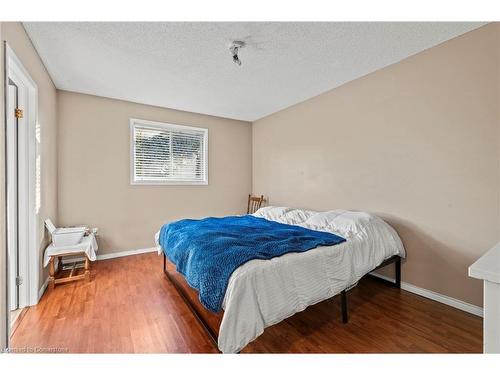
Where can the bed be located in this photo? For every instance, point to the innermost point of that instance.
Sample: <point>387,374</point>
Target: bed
<point>261,293</point>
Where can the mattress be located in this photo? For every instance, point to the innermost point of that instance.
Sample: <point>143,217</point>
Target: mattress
<point>261,293</point>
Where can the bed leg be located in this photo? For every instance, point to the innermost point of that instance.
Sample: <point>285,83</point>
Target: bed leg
<point>343,301</point>
<point>398,273</point>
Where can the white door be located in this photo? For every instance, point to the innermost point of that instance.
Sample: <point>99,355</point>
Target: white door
<point>21,187</point>
<point>17,183</point>
<point>12,196</point>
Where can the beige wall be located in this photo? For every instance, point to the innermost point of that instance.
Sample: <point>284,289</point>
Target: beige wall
<point>16,37</point>
<point>416,143</point>
<point>94,171</point>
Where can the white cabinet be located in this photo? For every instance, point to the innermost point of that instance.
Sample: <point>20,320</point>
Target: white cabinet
<point>487,268</point>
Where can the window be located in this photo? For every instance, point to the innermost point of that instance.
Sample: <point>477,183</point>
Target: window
<point>168,154</point>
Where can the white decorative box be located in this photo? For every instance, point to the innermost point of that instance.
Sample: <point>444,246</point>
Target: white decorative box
<point>65,236</point>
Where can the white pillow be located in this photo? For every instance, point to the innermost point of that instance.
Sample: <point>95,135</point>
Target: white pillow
<point>271,212</point>
<point>297,216</point>
<point>286,215</point>
<point>345,223</point>
<point>351,222</point>
<point>323,219</point>
<point>342,222</point>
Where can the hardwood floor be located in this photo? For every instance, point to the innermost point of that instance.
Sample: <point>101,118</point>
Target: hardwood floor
<point>130,307</point>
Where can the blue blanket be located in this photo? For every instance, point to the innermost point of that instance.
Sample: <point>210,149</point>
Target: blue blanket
<point>207,251</point>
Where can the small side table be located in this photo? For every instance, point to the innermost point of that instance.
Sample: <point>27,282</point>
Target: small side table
<point>86,248</point>
<point>53,280</point>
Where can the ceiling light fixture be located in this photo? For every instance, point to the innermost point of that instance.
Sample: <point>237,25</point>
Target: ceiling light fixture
<point>234,48</point>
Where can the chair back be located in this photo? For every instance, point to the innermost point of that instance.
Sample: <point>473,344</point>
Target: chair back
<point>254,203</point>
<point>50,226</point>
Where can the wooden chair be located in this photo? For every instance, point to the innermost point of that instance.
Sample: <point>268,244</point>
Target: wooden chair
<point>254,203</point>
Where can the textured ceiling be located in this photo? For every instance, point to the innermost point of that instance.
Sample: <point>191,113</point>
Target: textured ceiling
<point>188,66</point>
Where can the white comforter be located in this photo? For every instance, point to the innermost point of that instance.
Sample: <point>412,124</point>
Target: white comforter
<point>261,293</point>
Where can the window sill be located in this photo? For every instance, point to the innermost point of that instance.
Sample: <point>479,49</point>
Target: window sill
<point>160,183</point>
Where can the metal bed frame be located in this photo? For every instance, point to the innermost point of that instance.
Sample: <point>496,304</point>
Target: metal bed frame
<point>396,259</point>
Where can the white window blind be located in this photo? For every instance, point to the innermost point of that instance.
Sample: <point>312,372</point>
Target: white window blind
<point>168,154</point>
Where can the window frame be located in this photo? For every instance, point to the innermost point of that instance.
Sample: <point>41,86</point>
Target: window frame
<point>167,126</point>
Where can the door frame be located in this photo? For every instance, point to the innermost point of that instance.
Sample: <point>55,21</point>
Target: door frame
<point>27,197</point>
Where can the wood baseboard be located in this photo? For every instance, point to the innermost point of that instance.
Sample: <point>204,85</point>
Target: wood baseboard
<point>126,253</point>
<point>450,301</point>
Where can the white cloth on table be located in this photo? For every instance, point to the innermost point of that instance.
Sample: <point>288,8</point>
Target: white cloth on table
<point>87,245</point>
